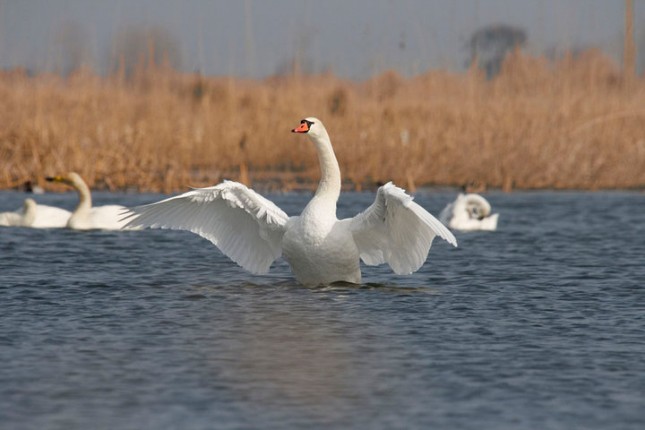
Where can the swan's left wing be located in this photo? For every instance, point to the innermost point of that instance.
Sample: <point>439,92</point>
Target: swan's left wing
<point>397,231</point>
<point>244,225</point>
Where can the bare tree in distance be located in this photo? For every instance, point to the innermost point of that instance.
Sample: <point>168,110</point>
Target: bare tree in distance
<point>490,45</point>
<point>146,47</point>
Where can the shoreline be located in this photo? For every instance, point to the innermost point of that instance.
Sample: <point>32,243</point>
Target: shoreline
<point>570,124</point>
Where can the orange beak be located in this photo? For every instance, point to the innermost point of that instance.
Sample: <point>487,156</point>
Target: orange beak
<point>303,128</point>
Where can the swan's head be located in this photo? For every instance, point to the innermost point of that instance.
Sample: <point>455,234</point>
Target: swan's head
<point>311,126</point>
<point>72,179</point>
<point>477,206</point>
<point>29,205</point>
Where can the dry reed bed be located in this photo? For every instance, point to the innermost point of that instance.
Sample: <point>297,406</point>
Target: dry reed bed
<point>572,124</point>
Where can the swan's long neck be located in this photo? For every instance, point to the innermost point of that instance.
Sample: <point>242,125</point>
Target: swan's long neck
<point>29,212</point>
<point>329,185</point>
<point>84,196</point>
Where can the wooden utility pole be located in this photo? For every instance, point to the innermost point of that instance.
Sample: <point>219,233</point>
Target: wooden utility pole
<point>629,48</point>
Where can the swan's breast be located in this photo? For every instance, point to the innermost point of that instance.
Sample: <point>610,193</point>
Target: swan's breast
<point>321,254</point>
<point>304,235</point>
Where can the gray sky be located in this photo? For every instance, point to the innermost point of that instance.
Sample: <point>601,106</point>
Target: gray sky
<point>355,39</point>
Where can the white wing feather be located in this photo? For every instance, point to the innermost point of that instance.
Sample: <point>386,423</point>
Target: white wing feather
<point>244,225</point>
<point>397,231</point>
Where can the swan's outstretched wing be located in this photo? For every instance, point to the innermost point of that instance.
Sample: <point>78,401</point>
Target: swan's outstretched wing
<point>244,225</point>
<point>397,231</point>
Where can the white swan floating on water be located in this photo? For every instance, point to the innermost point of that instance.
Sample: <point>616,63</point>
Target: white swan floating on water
<point>22,217</point>
<point>469,212</point>
<point>86,217</point>
<point>35,216</point>
<point>320,248</point>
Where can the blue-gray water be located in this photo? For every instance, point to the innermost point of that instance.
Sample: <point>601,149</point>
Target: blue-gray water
<point>538,325</point>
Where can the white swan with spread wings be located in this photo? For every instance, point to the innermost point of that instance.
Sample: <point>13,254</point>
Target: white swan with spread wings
<point>320,248</point>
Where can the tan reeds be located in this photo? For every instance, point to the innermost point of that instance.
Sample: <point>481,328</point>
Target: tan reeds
<point>569,124</point>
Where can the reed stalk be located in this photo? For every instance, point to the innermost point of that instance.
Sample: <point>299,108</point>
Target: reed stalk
<point>570,124</point>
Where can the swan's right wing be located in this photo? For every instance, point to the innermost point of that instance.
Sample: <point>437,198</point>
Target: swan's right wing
<point>397,231</point>
<point>244,225</point>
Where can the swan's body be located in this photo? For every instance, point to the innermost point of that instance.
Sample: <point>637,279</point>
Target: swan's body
<point>36,216</point>
<point>319,247</point>
<point>22,217</point>
<point>50,217</point>
<point>468,213</point>
<point>86,217</point>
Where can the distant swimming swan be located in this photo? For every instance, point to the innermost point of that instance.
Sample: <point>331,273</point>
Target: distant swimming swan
<point>469,212</point>
<point>36,216</point>
<point>319,247</point>
<point>86,217</point>
<point>22,217</point>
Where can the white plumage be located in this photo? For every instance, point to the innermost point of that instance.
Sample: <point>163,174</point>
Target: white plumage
<point>319,247</point>
<point>244,225</point>
<point>22,217</point>
<point>85,216</point>
<point>469,212</point>
<point>36,216</point>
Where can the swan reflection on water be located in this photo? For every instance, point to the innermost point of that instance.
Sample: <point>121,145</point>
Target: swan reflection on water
<point>294,345</point>
<point>293,356</point>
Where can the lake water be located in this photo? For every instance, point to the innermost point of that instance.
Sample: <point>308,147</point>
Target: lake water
<point>540,325</point>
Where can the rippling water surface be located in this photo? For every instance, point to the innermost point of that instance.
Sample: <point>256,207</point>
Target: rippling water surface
<point>538,325</point>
